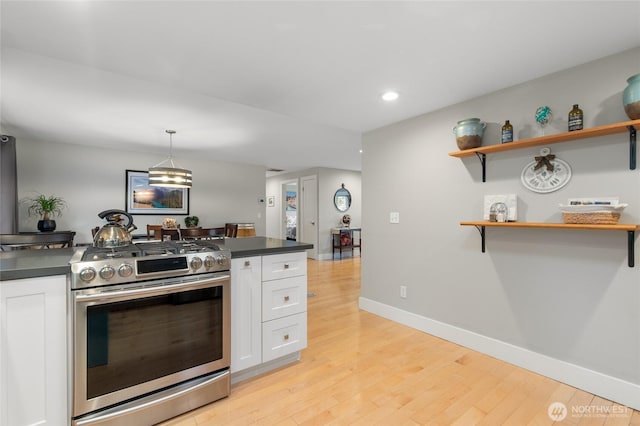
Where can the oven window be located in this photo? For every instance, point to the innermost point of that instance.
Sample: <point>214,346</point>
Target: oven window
<point>135,341</point>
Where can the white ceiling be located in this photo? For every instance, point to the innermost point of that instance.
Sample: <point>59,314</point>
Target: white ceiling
<point>287,85</point>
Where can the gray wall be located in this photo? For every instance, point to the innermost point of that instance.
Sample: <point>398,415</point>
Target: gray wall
<point>93,179</point>
<point>560,302</point>
<point>329,180</point>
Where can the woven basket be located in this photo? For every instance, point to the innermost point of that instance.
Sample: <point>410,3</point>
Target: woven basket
<point>601,218</point>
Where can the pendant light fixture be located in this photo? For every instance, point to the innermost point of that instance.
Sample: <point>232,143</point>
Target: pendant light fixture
<point>167,174</point>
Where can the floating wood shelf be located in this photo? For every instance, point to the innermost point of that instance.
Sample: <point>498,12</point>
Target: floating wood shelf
<point>608,129</point>
<point>630,228</point>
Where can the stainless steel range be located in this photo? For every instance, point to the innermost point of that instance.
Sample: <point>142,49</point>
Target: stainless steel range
<point>151,331</point>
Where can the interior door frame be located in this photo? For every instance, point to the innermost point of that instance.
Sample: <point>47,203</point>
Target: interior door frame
<point>305,214</point>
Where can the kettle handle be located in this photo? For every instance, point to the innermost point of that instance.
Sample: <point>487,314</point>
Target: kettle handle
<point>110,213</point>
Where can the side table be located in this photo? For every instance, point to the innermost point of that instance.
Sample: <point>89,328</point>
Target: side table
<point>346,239</point>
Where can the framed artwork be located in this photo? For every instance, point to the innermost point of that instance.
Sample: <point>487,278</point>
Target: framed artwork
<point>144,199</point>
<point>292,200</point>
<point>510,203</point>
<point>271,201</point>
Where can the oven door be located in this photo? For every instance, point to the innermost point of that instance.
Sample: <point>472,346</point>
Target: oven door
<point>142,337</point>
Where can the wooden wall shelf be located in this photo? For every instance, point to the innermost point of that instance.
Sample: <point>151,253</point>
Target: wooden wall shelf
<point>630,228</point>
<point>608,129</point>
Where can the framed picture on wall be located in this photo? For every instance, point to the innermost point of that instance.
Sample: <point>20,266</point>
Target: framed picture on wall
<point>144,199</point>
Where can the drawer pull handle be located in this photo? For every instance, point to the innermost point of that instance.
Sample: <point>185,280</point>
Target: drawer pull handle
<point>286,298</point>
<point>247,263</point>
<point>286,337</point>
<point>286,266</point>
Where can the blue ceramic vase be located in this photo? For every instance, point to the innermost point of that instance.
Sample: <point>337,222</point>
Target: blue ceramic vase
<point>469,133</point>
<point>631,97</point>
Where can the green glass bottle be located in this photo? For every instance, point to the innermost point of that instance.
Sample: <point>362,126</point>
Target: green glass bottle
<point>507,132</point>
<point>575,118</point>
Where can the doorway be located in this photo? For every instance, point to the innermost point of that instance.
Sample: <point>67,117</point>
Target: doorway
<point>309,213</point>
<point>290,211</point>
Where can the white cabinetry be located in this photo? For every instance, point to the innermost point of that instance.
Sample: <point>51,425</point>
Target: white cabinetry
<point>246,320</point>
<point>33,351</point>
<point>268,310</point>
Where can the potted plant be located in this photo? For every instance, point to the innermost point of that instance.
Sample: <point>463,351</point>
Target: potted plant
<point>46,207</point>
<point>191,221</point>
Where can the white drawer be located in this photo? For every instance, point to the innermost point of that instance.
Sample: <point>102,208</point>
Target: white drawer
<point>284,297</point>
<point>284,336</point>
<point>277,266</point>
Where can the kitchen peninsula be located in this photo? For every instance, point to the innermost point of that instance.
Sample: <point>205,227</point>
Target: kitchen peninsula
<point>19,264</point>
<point>268,321</point>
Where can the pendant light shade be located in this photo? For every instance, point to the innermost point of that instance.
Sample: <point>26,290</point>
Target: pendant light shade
<point>166,173</point>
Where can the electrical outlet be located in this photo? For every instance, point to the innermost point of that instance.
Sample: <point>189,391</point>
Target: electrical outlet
<point>403,291</point>
<point>394,217</point>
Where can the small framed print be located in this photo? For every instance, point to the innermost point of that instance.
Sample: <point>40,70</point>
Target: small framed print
<point>509,200</point>
<point>271,201</point>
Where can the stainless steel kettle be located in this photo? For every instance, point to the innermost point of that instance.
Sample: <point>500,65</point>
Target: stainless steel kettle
<point>113,234</point>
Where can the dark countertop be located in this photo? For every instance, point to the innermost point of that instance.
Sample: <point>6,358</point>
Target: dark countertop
<point>259,246</point>
<point>18,264</point>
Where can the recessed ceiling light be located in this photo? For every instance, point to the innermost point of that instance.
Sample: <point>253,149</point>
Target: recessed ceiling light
<point>390,96</point>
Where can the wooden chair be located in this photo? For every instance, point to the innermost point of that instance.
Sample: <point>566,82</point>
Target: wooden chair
<point>37,240</point>
<point>155,231</point>
<point>172,233</point>
<point>195,233</point>
<point>202,233</point>
<point>230,230</point>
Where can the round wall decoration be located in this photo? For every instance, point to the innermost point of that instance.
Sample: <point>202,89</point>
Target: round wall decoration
<point>546,173</point>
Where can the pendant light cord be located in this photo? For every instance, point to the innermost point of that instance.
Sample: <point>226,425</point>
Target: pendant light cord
<point>171,132</point>
<point>170,157</point>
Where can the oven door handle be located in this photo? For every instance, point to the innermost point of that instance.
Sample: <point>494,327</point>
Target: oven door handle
<point>147,291</point>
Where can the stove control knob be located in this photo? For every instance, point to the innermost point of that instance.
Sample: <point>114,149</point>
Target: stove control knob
<point>107,272</point>
<point>221,259</point>
<point>125,270</point>
<point>209,262</point>
<point>196,263</point>
<point>87,274</point>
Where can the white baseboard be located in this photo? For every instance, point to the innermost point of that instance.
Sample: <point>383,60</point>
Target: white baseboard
<point>608,387</point>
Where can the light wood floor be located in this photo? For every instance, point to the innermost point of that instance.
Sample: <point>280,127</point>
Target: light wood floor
<point>360,369</point>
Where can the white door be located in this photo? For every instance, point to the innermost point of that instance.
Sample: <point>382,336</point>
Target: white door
<point>309,213</point>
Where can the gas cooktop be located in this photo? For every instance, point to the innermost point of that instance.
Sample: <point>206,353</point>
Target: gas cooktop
<point>150,249</point>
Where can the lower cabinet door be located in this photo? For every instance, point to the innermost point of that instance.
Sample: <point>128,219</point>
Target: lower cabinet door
<point>284,336</point>
<point>33,351</point>
<point>246,317</point>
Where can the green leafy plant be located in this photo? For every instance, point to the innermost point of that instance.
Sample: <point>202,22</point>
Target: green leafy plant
<point>44,206</point>
<point>191,221</point>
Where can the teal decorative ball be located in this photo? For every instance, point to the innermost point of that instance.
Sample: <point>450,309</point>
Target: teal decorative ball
<point>543,115</point>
